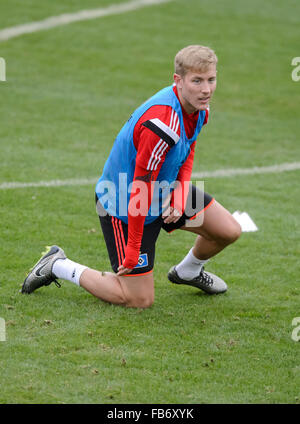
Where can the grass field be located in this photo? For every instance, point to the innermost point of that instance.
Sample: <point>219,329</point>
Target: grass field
<point>67,94</point>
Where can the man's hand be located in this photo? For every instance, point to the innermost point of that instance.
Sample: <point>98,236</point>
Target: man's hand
<point>171,215</point>
<point>123,271</point>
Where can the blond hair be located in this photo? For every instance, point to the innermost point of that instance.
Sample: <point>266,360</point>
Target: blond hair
<point>194,57</point>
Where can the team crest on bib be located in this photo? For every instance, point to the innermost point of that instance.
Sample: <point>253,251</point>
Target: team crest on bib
<point>143,261</point>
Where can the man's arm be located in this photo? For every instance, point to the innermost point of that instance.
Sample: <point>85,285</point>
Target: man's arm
<point>180,194</point>
<point>184,176</point>
<point>151,153</point>
<point>142,181</point>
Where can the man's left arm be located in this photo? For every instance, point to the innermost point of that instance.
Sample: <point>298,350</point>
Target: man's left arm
<point>179,195</point>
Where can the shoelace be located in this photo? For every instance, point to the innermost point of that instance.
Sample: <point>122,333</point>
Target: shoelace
<point>205,278</point>
<point>57,283</point>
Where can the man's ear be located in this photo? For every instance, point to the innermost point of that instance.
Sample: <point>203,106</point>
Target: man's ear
<point>177,79</point>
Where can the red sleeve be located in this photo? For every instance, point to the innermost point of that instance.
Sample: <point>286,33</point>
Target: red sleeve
<point>139,204</point>
<point>151,149</point>
<point>180,194</point>
<point>206,116</point>
<point>151,153</point>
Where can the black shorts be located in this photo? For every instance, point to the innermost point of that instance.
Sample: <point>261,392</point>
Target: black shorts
<point>115,231</point>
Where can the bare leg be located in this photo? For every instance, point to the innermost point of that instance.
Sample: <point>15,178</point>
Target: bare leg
<point>131,291</point>
<point>217,230</point>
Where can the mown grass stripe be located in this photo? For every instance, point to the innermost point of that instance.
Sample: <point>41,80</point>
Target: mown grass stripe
<point>284,167</point>
<point>82,15</point>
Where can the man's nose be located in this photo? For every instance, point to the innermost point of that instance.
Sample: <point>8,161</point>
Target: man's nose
<point>205,87</point>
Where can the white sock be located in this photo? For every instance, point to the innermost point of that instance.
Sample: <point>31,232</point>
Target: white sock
<point>68,270</point>
<point>190,266</point>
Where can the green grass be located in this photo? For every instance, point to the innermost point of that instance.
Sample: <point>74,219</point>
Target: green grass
<point>68,92</point>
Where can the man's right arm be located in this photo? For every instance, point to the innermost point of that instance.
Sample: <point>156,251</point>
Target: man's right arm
<point>151,153</point>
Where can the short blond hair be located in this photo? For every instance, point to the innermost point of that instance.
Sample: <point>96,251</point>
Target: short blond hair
<point>194,57</point>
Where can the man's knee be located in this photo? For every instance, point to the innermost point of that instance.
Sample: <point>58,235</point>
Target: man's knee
<point>138,290</point>
<point>140,302</point>
<point>230,234</point>
<point>236,232</point>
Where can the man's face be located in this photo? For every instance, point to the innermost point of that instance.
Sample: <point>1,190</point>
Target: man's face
<point>196,88</point>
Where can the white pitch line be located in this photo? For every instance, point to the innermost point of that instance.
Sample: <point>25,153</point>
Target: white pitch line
<point>51,183</point>
<point>283,167</point>
<point>196,175</point>
<point>82,15</point>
